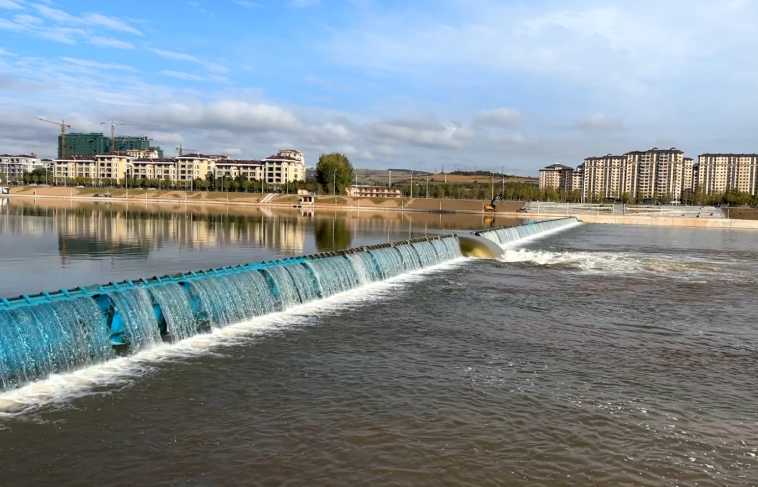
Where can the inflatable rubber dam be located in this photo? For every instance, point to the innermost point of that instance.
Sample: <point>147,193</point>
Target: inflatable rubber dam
<point>58,332</point>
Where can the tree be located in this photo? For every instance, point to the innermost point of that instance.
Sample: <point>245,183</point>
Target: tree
<point>334,166</point>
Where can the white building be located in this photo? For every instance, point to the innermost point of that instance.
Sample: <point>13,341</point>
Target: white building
<point>12,168</point>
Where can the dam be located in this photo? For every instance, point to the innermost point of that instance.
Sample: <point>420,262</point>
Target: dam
<point>58,332</point>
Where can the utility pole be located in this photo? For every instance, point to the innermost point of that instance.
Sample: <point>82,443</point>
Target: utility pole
<point>427,185</point>
<point>411,184</point>
<point>502,173</point>
<point>492,186</point>
<point>334,186</point>
<point>390,181</point>
<point>444,171</point>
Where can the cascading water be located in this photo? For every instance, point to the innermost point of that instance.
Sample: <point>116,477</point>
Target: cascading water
<point>411,260</point>
<point>140,325</point>
<point>389,260</point>
<point>509,235</point>
<point>365,267</point>
<point>177,311</point>
<point>51,338</point>
<point>286,286</point>
<point>335,274</point>
<point>64,331</point>
<point>306,283</point>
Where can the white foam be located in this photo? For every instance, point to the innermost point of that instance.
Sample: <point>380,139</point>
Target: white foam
<point>60,388</point>
<point>538,236</point>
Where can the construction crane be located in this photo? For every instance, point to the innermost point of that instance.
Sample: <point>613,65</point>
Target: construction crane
<point>63,127</point>
<point>113,124</point>
<point>181,150</point>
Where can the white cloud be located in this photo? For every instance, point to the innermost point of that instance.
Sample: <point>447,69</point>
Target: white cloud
<point>420,132</point>
<point>110,42</point>
<point>3,52</point>
<point>94,64</point>
<point>10,5</point>
<point>599,123</point>
<point>503,117</point>
<point>248,4</point>
<point>110,23</point>
<point>181,56</point>
<point>190,76</point>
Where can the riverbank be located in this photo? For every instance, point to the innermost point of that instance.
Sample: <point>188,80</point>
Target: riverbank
<point>257,199</point>
<point>423,205</point>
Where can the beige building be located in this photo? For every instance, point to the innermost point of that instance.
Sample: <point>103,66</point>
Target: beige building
<point>556,176</point>
<point>110,166</point>
<point>161,169</point>
<point>718,173</point>
<point>194,166</point>
<point>661,172</point>
<point>286,165</point>
<point>609,176</point>
<point>231,168</point>
<point>72,166</point>
<point>577,178</point>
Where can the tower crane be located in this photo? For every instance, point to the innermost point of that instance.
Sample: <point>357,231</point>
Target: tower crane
<point>113,124</point>
<point>181,150</point>
<point>63,127</point>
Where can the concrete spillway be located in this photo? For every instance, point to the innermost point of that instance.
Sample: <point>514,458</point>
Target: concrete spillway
<point>66,330</point>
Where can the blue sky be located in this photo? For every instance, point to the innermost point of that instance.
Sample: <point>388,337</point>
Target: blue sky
<point>474,83</point>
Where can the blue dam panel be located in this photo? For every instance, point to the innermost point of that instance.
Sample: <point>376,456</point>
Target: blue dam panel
<point>58,332</point>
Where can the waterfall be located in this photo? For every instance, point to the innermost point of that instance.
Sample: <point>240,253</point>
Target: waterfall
<point>411,260</point>
<point>335,274</point>
<point>67,330</point>
<point>306,283</point>
<point>509,235</point>
<point>136,310</point>
<point>365,267</point>
<point>389,260</point>
<point>51,338</point>
<point>177,311</point>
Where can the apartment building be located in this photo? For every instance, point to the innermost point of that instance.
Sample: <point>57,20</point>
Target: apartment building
<point>286,166</point>
<point>557,176</point>
<point>717,173</point>
<point>251,170</point>
<point>577,178</point>
<point>72,166</point>
<point>195,166</point>
<point>608,176</point>
<point>12,168</point>
<point>661,172</point>
<point>149,168</point>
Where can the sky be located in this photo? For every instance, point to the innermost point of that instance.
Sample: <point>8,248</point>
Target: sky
<point>465,84</point>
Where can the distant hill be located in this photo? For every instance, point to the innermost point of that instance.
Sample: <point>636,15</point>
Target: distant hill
<point>381,177</point>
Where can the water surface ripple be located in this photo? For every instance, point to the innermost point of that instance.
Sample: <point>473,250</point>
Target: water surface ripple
<point>557,366</point>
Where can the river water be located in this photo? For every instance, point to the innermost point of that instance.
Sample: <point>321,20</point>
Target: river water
<point>601,355</point>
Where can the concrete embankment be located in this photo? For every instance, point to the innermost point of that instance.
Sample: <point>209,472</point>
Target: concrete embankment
<point>661,221</point>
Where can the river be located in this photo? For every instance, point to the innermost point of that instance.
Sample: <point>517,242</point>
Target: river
<point>600,355</point>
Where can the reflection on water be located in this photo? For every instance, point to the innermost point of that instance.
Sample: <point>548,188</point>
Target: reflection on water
<point>76,243</point>
<point>332,234</point>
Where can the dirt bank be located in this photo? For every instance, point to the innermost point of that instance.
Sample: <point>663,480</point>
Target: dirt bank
<point>282,200</point>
